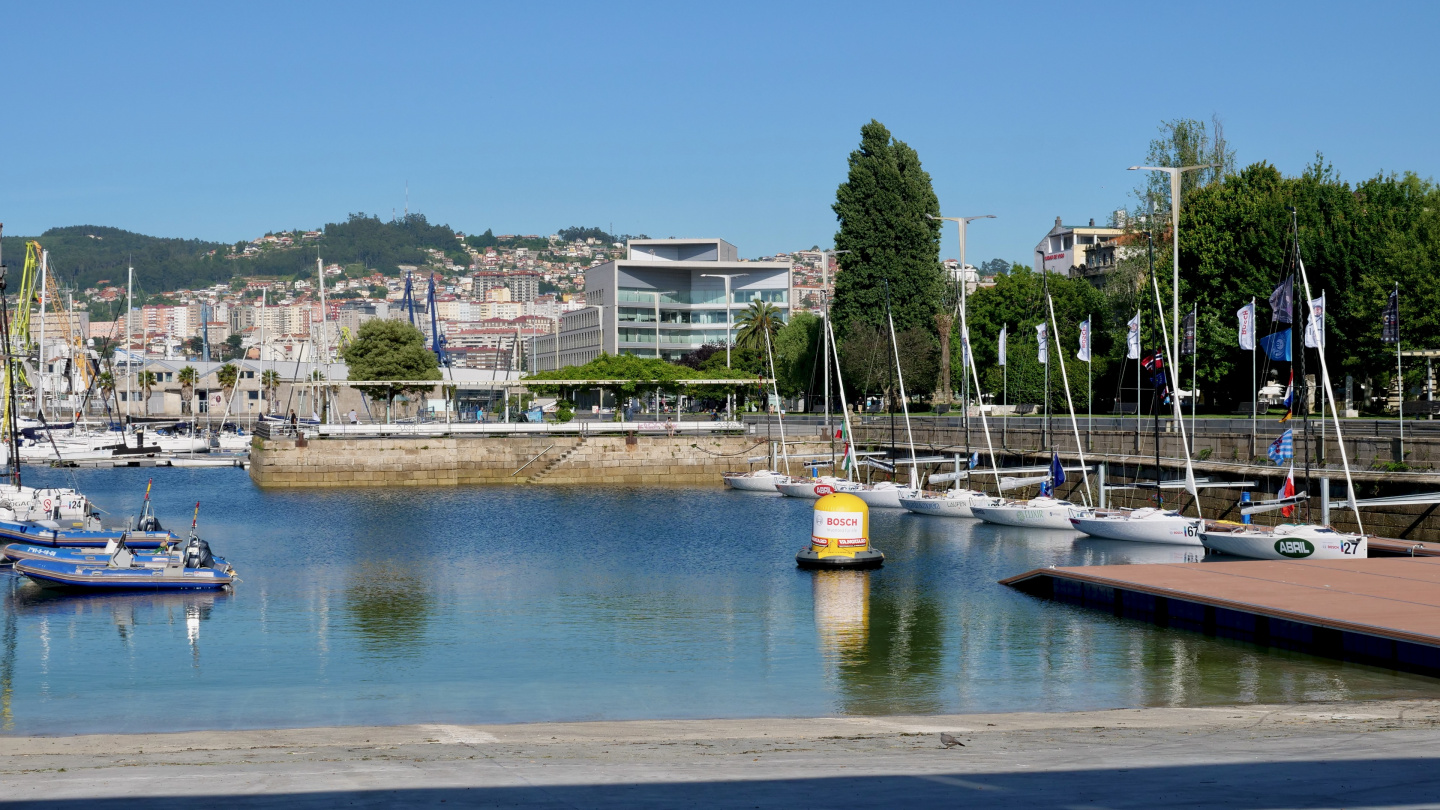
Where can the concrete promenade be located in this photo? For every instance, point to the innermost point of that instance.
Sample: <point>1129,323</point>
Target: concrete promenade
<point>1375,754</point>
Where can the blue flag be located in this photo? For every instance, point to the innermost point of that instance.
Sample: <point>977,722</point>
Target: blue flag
<point>975,459</point>
<point>1057,472</point>
<point>1277,346</point>
<point>1283,448</point>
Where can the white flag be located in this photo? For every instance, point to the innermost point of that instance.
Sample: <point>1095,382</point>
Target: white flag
<point>1042,336</point>
<point>1315,326</point>
<point>1132,338</point>
<point>965,354</point>
<point>1246,314</point>
<point>1084,353</point>
<point>1003,336</point>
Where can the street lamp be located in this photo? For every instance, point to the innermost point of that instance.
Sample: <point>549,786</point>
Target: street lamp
<point>1174,172</point>
<point>963,224</point>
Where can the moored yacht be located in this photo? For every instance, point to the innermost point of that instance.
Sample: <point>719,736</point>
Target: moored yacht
<point>1145,525</point>
<point>954,503</point>
<point>1043,512</point>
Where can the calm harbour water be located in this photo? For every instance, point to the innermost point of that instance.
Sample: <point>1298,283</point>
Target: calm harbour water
<point>514,604</point>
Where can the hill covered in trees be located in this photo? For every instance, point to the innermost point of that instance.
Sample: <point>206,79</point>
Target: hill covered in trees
<point>85,255</point>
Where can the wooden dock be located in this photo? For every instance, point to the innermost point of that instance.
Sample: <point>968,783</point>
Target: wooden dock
<point>1379,611</point>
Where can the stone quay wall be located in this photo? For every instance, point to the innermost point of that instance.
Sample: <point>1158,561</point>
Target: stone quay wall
<point>387,462</point>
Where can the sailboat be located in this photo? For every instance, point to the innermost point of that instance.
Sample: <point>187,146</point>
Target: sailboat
<point>887,494</point>
<point>1289,541</point>
<point>1045,511</point>
<point>815,488</point>
<point>1151,524</point>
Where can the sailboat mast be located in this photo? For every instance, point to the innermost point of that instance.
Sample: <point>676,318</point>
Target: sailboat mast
<point>900,377</point>
<point>11,422</point>
<point>1045,420</point>
<point>844,406</point>
<point>129,335</point>
<point>1302,389</point>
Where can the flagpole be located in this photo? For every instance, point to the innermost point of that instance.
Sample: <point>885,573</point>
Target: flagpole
<point>1399,376</point>
<point>1194,369</point>
<point>1090,382</point>
<point>1319,347</point>
<point>1139,339</point>
<point>1254,385</point>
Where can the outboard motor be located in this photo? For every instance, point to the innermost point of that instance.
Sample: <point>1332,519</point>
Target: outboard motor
<point>148,523</point>
<point>197,554</point>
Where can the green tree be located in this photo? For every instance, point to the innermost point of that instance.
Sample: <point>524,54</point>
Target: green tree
<point>881,208</point>
<point>1017,301</point>
<point>867,361</point>
<point>390,350</point>
<point>797,355</point>
<point>187,377</point>
<point>227,375</point>
<point>105,381</point>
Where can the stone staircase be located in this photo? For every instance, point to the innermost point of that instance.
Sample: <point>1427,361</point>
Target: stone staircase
<point>561,459</point>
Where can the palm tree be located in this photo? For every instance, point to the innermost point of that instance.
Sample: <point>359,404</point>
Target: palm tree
<point>758,320</point>
<point>146,379</point>
<point>187,377</point>
<point>106,383</point>
<point>227,375</point>
<point>270,381</point>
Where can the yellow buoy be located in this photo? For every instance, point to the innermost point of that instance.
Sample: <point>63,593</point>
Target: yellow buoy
<point>840,536</point>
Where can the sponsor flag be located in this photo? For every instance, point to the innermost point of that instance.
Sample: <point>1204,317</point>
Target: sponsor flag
<point>1283,448</point>
<point>965,352</point>
<point>1132,338</point>
<point>1084,353</point>
<point>1187,334</point>
<point>975,459</point>
<point>1277,346</point>
<point>1289,398</point>
<point>1283,300</point>
<point>1315,326</point>
<point>1057,472</point>
<point>845,436</point>
<point>1390,320</point>
<point>1246,316</point>
<point>1004,335</point>
<point>1042,338</point>
<point>1288,491</point>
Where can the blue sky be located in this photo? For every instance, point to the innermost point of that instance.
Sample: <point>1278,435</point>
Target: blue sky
<point>223,121</point>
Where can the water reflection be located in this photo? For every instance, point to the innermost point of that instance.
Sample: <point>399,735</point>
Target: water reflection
<point>1099,551</point>
<point>509,604</point>
<point>389,608</point>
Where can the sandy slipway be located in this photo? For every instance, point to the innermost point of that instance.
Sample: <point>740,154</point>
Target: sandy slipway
<point>1382,754</point>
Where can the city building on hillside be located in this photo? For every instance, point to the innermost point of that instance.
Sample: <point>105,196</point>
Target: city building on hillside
<point>665,299</point>
<point>1063,248</point>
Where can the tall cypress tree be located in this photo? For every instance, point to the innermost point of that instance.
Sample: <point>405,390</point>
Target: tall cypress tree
<point>882,208</point>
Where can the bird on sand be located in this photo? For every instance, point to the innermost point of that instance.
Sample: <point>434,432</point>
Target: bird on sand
<point>949,742</point>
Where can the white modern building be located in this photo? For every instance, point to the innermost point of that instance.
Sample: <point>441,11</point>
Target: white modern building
<point>666,298</point>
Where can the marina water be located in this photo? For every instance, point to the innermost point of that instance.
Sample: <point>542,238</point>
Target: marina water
<point>515,604</point>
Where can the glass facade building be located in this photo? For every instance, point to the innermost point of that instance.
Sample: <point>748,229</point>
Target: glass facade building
<point>665,299</point>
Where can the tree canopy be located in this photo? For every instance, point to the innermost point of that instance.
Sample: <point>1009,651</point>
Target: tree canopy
<point>881,208</point>
<point>385,349</point>
<point>633,375</point>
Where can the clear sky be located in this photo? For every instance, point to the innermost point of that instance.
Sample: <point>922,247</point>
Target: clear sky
<point>223,121</point>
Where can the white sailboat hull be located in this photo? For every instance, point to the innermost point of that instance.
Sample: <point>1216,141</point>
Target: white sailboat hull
<point>752,482</point>
<point>1287,542</point>
<point>811,488</point>
<point>884,497</point>
<point>947,506</point>
<point>1173,530</point>
<point>1027,516</point>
